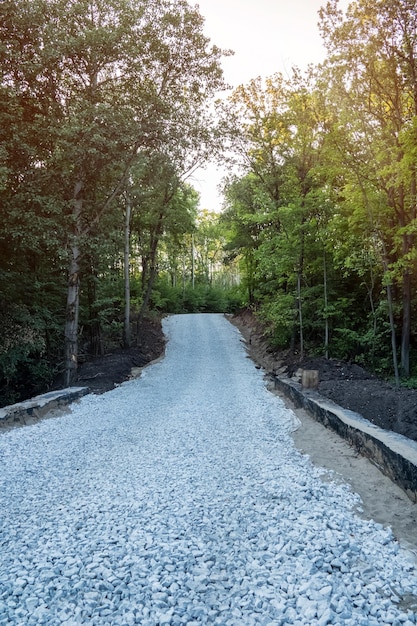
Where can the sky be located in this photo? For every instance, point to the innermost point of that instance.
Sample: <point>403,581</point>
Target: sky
<point>267,36</point>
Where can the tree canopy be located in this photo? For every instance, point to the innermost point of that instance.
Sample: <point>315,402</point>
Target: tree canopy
<point>325,206</point>
<point>89,89</point>
<point>106,108</point>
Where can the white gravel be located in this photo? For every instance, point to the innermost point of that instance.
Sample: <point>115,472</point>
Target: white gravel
<point>179,498</point>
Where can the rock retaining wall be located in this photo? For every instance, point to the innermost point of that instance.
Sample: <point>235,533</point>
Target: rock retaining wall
<point>30,411</point>
<point>394,454</point>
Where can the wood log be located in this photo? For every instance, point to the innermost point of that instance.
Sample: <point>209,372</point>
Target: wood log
<point>310,379</point>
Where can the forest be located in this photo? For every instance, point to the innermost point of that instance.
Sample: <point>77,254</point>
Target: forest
<point>107,107</point>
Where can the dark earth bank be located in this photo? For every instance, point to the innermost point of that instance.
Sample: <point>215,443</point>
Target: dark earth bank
<point>347,384</point>
<point>105,372</point>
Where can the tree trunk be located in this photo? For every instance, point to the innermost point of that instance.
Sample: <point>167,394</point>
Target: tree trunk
<point>144,277</point>
<point>73,294</point>
<point>408,245</point>
<point>152,275</point>
<point>250,272</point>
<point>406,325</point>
<point>184,275</point>
<point>326,317</point>
<point>192,262</point>
<point>126,329</point>
<point>71,322</point>
<point>391,321</point>
<point>152,271</point>
<point>300,316</point>
<point>393,337</point>
<point>370,290</point>
<point>300,306</point>
<point>96,347</point>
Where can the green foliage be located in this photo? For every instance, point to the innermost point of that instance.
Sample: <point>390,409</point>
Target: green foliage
<point>410,383</point>
<point>278,315</point>
<point>94,95</point>
<point>198,299</point>
<point>324,217</point>
<point>29,347</point>
<point>194,299</point>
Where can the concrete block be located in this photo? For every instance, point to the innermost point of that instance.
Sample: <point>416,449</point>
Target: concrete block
<point>394,454</point>
<point>29,411</point>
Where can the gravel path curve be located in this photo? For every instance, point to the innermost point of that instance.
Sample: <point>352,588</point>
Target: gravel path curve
<point>179,498</point>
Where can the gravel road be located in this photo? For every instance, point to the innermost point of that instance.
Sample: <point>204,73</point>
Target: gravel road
<point>179,498</point>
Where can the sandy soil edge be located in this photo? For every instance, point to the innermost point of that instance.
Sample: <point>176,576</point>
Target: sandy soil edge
<point>382,500</point>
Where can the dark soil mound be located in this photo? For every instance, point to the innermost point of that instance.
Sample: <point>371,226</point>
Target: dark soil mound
<point>102,373</point>
<point>347,384</point>
<point>378,401</point>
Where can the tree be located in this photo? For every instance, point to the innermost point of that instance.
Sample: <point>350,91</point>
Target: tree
<point>208,245</point>
<point>374,77</point>
<point>244,217</point>
<point>279,142</point>
<point>105,80</point>
<point>162,205</point>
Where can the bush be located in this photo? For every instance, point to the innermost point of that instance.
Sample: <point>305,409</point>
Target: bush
<point>197,299</point>
<point>28,347</point>
<point>278,316</point>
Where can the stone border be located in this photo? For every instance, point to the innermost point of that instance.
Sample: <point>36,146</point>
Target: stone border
<point>29,411</point>
<point>394,454</point>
